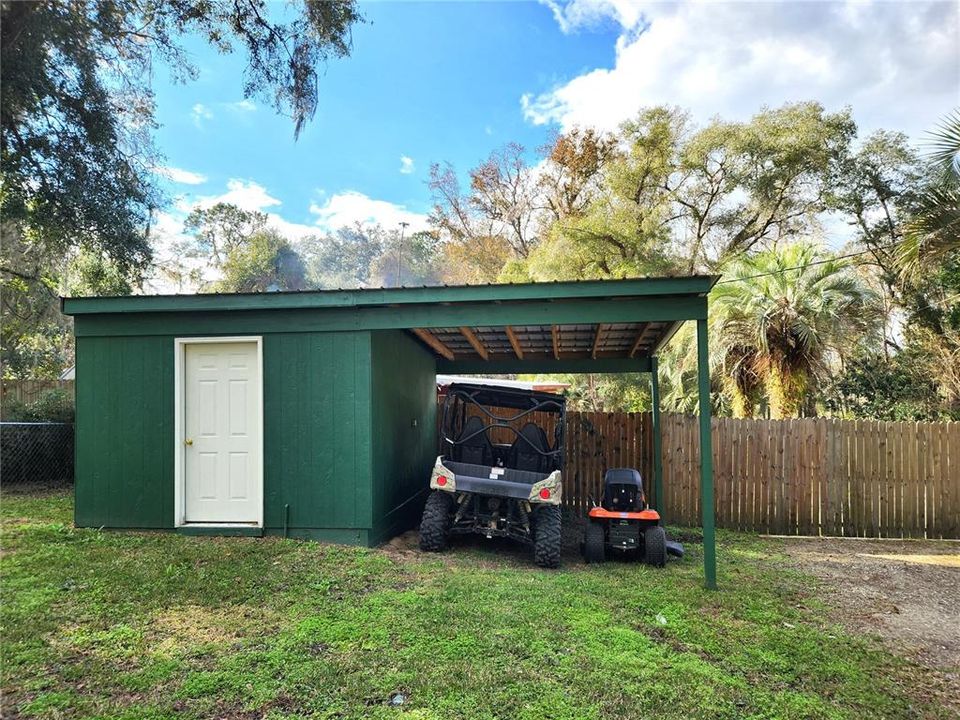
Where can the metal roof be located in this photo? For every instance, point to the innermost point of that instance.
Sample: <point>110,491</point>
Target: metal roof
<point>581,326</point>
<point>687,284</point>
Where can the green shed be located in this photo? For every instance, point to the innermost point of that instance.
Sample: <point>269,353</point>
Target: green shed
<point>312,414</point>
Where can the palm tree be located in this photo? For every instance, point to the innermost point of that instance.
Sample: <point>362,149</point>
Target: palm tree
<point>781,317</point>
<point>934,229</point>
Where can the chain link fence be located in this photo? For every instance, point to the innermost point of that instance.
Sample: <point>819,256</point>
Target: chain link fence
<point>35,455</point>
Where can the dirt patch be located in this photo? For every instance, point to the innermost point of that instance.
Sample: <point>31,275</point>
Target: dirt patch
<point>907,593</point>
<point>495,552</point>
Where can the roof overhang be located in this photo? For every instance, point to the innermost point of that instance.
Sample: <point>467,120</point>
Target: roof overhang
<point>589,326</point>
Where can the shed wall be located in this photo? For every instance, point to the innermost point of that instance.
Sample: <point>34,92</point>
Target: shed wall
<point>404,406</point>
<point>316,433</point>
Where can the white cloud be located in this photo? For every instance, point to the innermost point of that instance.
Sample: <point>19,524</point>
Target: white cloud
<point>576,14</point>
<point>350,207</point>
<point>242,106</point>
<point>200,113</point>
<point>406,165</point>
<point>179,175</point>
<point>895,64</point>
<point>251,196</point>
<point>245,194</point>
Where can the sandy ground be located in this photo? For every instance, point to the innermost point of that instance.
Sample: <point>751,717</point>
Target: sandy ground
<point>907,593</point>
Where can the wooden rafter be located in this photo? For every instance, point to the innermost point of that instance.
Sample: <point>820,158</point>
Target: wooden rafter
<point>641,333</point>
<point>555,336</point>
<point>433,343</point>
<point>475,342</point>
<point>514,342</point>
<point>596,340</point>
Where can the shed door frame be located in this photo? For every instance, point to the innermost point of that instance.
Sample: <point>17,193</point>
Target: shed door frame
<point>179,387</point>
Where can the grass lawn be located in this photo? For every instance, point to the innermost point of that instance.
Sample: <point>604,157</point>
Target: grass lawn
<point>136,625</point>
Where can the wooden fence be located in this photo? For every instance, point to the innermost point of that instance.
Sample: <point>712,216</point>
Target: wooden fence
<point>817,476</point>
<point>855,478</point>
<point>26,391</point>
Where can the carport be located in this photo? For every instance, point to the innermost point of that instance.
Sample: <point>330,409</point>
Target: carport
<point>592,327</point>
<point>363,357</point>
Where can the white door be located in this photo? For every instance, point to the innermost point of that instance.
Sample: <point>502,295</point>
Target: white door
<point>222,464</point>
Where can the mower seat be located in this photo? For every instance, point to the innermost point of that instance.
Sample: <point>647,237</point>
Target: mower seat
<point>524,453</point>
<point>473,446</point>
<point>623,490</point>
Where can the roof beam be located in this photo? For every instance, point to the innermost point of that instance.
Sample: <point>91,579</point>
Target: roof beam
<point>641,333</point>
<point>596,339</point>
<point>433,343</point>
<point>474,341</point>
<point>510,365</point>
<point>555,336</point>
<point>514,342</point>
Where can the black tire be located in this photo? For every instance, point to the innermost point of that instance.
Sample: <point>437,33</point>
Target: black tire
<point>435,523</point>
<point>594,543</point>
<point>546,536</point>
<point>655,546</point>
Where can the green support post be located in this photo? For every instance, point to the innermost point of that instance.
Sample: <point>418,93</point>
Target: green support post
<point>657,440</point>
<point>706,459</point>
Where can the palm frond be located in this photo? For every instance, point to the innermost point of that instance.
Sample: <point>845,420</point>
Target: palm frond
<point>944,144</point>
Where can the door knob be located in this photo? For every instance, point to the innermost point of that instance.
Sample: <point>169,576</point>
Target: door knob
<point>188,441</point>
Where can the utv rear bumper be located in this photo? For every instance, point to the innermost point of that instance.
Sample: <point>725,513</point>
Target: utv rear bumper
<point>457,477</point>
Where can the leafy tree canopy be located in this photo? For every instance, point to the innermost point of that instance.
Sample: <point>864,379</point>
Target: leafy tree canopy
<point>266,262</point>
<point>77,110</point>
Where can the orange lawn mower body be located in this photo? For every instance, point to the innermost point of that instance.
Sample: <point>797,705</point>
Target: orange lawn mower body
<point>624,523</point>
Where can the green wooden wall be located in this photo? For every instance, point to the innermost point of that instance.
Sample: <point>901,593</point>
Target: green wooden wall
<point>317,433</point>
<point>124,432</point>
<point>403,406</point>
<point>317,430</point>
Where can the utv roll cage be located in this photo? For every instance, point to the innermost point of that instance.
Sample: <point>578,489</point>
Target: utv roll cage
<point>467,426</point>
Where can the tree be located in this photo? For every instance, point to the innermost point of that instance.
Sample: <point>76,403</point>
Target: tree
<point>220,229</point>
<point>573,172</point>
<point>934,229</point>
<point>414,261</point>
<point>35,338</point>
<point>343,259</point>
<point>898,388</point>
<point>265,262</point>
<point>502,210</point>
<point>742,184</point>
<point>33,335</point>
<point>788,313</point>
<point>624,230</point>
<point>77,109</point>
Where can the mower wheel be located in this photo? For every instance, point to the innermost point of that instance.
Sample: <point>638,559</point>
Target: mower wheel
<point>655,546</point>
<point>594,543</point>
<point>546,536</point>
<point>435,523</point>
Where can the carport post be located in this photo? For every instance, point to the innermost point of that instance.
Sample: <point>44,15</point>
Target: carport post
<point>657,447</point>
<point>706,458</point>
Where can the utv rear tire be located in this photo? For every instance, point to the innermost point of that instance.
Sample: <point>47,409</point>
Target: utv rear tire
<point>546,536</point>
<point>435,523</point>
<point>655,546</point>
<point>594,543</point>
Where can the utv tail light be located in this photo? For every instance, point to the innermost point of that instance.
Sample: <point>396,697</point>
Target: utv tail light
<point>545,493</point>
<point>441,480</point>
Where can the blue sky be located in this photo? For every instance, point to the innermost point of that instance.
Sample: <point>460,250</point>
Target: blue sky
<point>430,82</point>
<point>452,81</point>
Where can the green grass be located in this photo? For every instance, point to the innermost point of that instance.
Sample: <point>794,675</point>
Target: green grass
<point>136,625</point>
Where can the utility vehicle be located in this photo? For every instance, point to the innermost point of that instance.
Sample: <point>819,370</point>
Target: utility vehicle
<point>498,474</point>
<point>623,522</point>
